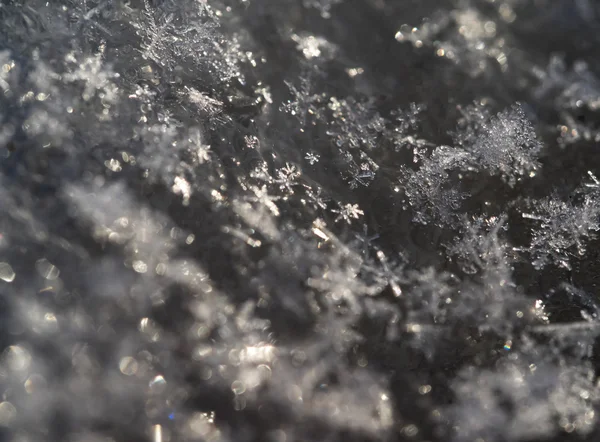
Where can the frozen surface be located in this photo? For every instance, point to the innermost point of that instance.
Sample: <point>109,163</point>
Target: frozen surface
<point>299,220</point>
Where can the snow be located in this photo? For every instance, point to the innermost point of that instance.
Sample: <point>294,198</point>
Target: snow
<point>238,220</point>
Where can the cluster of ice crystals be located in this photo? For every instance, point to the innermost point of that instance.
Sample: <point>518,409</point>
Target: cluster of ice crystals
<point>299,220</point>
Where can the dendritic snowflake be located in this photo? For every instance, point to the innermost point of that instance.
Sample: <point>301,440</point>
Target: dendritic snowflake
<point>347,213</point>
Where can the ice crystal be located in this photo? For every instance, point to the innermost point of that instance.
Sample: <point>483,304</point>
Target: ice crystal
<point>504,145</point>
<point>508,146</point>
<point>304,105</point>
<point>348,212</point>
<point>354,124</point>
<point>563,228</point>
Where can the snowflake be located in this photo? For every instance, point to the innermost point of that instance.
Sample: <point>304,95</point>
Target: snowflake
<point>355,124</point>
<point>305,104</point>
<point>198,147</point>
<point>201,101</point>
<point>463,36</point>
<point>386,273</point>
<point>262,196</point>
<point>364,178</point>
<point>252,141</point>
<point>144,94</point>
<point>563,229</point>
<point>96,77</point>
<point>314,47</point>
<point>287,176</point>
<point>312,158</point>
<point>156,31</point>
<point>348,212</point>
<point>572,89</point>
<point>357,174</point>
<point>408,119</point>
<point>507,146</point>
<point>182,186</point>
<point>428,189</point>
<point>365,240</point>
<point>316,198</point>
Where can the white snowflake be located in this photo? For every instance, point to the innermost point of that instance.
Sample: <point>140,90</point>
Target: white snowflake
<point>312,158</point>
<point>364,178</point>
<point>287,176</point>
<point>252,141</point>
<point>198,147</point>
<point>348,212</point>
<point>204,103</point>
<point>183,187</point>
<point>97,78</point>
<point>261,196</point>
